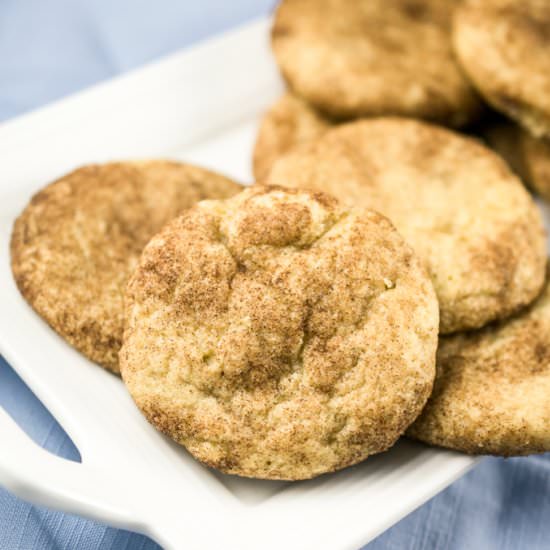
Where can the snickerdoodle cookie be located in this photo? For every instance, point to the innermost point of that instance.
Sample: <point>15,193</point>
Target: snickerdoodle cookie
<point>280,335</point>
<point>527,155</point>
<point>454,200</point>
<point>373,57</point>
<point>288,121</point>
<point>77,241</point>
<point>491,394</point>
<point>504,45</point>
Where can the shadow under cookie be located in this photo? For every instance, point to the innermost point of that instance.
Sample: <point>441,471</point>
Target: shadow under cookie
<point>527,155</point>
<point>503,47</point>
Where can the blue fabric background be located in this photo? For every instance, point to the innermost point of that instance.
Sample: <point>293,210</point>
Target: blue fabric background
<point>49,48</point>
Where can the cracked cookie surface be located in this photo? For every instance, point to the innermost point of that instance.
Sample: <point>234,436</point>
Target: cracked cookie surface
<point>373,57</point>
<point>503,47</point>
<point>77,241</point>
<point>279,335</point>
<point>455,201</point>
<point>492,386</point>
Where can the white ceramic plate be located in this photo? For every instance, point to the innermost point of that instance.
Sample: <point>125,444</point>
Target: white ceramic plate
<point>201,105</point>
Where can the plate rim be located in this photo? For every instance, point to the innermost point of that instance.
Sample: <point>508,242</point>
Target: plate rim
<point>13,134</point>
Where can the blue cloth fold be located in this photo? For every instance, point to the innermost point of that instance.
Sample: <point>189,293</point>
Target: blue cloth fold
<point>50,49</point>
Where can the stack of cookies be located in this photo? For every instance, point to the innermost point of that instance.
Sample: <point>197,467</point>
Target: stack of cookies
<point>445,61</point>
<point>386,276</point>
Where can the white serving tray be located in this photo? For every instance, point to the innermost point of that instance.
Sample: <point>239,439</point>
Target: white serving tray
<point>200,105</point>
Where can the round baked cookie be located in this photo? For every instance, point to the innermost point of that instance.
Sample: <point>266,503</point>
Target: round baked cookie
<point>288,122</point>
<point>77,241</point>
<point>492,386</point>
<point>454,200</point>
<point>527,155</point>
<point>373,57</point>
<point>279,335</point>
<point>503,46</point>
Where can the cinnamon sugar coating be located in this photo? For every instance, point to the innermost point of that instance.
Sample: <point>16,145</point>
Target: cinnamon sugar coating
<point>289,121</point>
<point>374,57</point>
<point>503,47</point>
<point>459,206</point>
<point>280,335</point>
<point>492,387</point>
<point>77,241</point>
